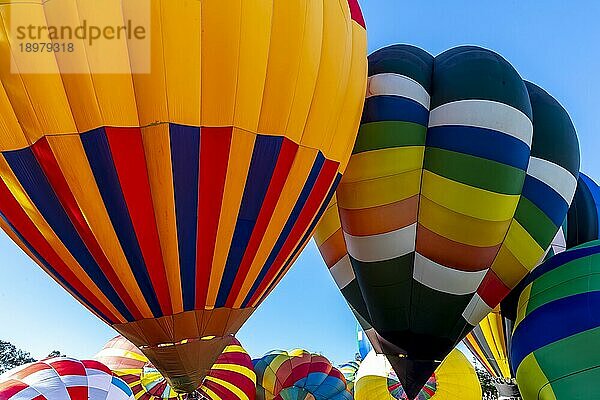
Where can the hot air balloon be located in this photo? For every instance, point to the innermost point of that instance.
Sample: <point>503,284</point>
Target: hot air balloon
<point>556,346</point>
<point>461,176</point>
<point>329,239</point>
<point>582,225</point>
<point>364,345</point>
<point>298,375</point>
<point>171,202</point>
<point>490,343</point>
<point>63,379</point>
<point>349,370</point>
<point>491,340</point>
<point>232,376</point>
<point>583,219</point>
<point>455,378</point>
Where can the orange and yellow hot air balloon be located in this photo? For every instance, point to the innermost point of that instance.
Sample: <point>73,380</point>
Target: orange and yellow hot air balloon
<point>169,188</point>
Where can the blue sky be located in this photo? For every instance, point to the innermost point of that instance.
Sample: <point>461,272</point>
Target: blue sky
<point>552,43</point>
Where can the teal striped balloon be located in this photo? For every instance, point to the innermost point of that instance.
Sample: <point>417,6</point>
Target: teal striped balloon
<point>556,342</point>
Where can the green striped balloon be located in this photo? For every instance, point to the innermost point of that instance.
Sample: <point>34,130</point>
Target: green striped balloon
<point>556,342</point>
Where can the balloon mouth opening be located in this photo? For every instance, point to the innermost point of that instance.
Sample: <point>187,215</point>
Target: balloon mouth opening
<point>183,341</point>
<point>163,381</point>
<point>397,391</point>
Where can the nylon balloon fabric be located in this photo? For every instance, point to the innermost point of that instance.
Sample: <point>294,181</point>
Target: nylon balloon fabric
<point>583,219</point>
<point>455,378</point>
<point>460,178</point>
<point>170,203</point>
<point>231,377</point>
<point>362,340</point>
<point>298,375</point>
<point>63,379</point>
<point>349,370</point>
<point>489,342</point>
<point>582,225</point>
<point>555,347</point>
<point>329,239</point>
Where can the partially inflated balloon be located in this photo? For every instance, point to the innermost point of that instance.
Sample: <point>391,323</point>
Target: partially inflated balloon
<point>232,376</point>
<point>461,175</point>
<point>171,202</point>
<point>454,379</point>
<point>556,342</point>
<point>63,379</point>
<point>298,375</point>
<point>490,343</point>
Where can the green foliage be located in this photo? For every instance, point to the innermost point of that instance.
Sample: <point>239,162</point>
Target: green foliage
<point>55,353</point>
<point>11,357</point>
<point>487,384</point>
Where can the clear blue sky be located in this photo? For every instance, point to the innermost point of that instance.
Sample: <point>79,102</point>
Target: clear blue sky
<point>552,43</point>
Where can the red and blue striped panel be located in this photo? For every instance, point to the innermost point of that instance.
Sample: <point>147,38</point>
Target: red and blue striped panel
<point>118,159</point>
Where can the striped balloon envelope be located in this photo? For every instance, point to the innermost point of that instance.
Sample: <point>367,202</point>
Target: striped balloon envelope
<point>583,219</point>
<point>63,379</point>
<point>363,342</point>
<point>461,175</point>
<point>231,377</point>
<point>171,201</point>
<point>556,341</point>
<point>349,370</point>
<point>298,375</point>
<point>582,225</point>
<point>329,239</point>
<point>454,379</point>
<point>489,342</point>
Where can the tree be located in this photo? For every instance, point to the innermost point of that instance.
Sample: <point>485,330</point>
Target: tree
<point>55,353</point>
<point>11,357</point>
<point>487,385</point>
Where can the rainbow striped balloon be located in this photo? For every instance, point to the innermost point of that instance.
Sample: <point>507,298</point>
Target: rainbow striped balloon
<point>231,377</point>
<point>460,178</point>
<point>298,375</point>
